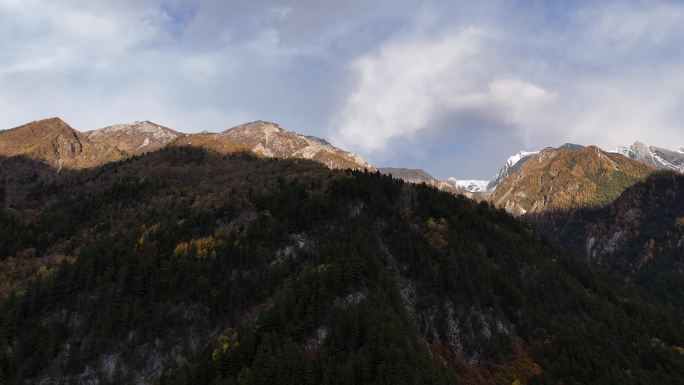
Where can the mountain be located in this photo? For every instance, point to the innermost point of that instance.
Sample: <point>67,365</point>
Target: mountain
<point>656,156</point>
<point>136,138</point>
<point>471,185</point>
<point>419,176</point>
<point>270,140</point>
<point>55,143</point>
<point>513,164</point>
<point>639,236</point>
<point>567,177</point>
<point>184,266</point>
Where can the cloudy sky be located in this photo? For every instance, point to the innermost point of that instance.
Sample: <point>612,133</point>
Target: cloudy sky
<point>452,87</point>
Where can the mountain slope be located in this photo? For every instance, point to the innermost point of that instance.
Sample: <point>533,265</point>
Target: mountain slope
<point>640,235</point>
<point>513,164</point>
<point>136,138</point>
<point>185,266</point>
<point>557,179</point>
<point>270,140</point>
<point>53,142</point>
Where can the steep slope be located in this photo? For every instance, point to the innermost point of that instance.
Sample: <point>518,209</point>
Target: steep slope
<point>184,266</point>
<point>135,138</point>
<point>53,142</point>
<point>270,140</point>
<point>655,156</point>
<point>513,164</point>
<point>640,235</point>
<point>558,179</point>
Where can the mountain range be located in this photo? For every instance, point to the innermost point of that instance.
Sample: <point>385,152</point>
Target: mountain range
<point>137,254</point>
<point>529,181</point>
<point>57,144</point>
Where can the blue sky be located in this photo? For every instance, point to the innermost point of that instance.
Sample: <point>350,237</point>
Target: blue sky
<point>452,87</point>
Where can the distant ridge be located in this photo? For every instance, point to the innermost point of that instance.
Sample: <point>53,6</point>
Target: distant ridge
<point>55,143</point>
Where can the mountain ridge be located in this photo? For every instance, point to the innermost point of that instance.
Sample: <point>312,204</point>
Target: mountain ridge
<point>52,140</point>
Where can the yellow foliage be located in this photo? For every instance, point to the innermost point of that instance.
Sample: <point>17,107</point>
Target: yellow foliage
<point>181,249</point>
<point>43,271</point>
<point>680,221</point>
<point>438,232</point>
<point>201,247</point>
<point>147,231</point>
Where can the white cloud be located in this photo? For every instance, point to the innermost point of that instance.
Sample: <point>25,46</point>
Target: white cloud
<point>590,72</point>
<point>613,77</point>
<point>414,82</point>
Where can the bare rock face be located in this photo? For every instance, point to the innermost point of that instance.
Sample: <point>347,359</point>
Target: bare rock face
<point>54,143</point>
<point>135,138</point>
<point>270,140</point>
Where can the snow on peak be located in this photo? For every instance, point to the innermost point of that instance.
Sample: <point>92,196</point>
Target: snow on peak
<point>620,150</point>
<point>471,185</point>
<point>514,159</point>
<point>659,157</point>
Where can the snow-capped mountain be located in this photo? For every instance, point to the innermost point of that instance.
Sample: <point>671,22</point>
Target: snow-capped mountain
<point>656,156</point>
<point>479,186</point>
<point>512,164</point>
<point>470,185</point>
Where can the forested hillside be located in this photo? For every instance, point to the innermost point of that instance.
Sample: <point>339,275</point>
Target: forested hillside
<point>183,266</point>
<point>640,236</point>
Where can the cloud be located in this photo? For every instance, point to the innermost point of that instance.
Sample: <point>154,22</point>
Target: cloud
<point>380,78</point>
<point>610,75</point>
<point>414,82</point>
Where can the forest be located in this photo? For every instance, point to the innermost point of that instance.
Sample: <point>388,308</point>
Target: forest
<point>184,266</point>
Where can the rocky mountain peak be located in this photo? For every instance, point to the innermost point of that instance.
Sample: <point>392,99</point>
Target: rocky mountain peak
<point>270,140</point>
<point>54,143</point>
<point>257,127</point>
<point>656,156</point>
<point>134,138</point>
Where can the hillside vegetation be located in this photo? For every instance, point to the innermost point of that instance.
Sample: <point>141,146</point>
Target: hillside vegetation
<point>561,179</point>
<point>640,236</point>
<point>183,266</point>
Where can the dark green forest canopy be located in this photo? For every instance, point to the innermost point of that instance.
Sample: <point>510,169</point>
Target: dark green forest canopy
<point>640,236</point>
<point>187,267</point>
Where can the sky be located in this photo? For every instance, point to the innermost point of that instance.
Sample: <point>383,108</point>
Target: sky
<point>452,87</point>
